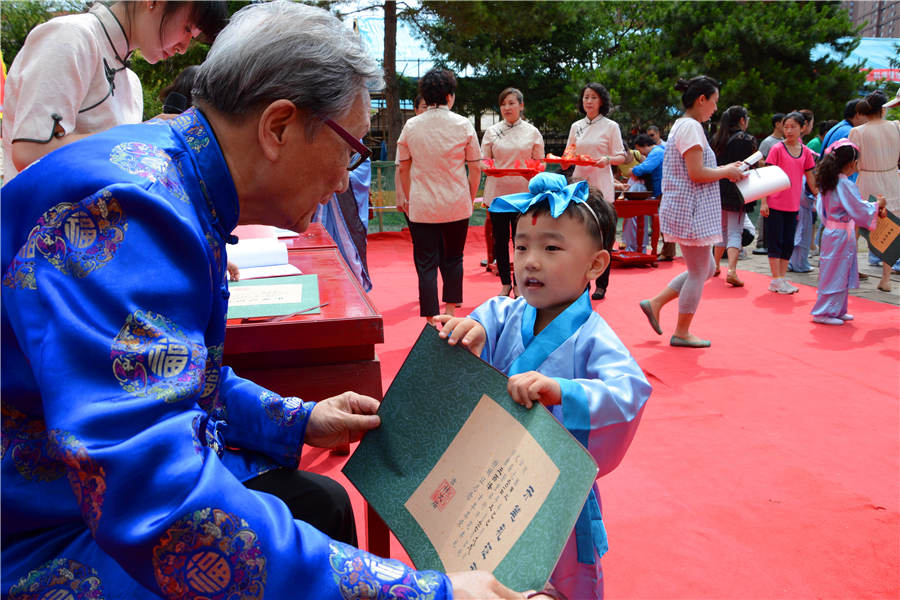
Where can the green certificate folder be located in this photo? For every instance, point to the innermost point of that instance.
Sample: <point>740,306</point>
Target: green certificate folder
<point>465,477</point>
<point>884,240</point>
<point>274,296</point>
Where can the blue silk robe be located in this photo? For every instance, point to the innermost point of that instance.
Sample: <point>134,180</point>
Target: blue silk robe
<point>603,396</point>
<point>125,440</point>
<point>838,271</point>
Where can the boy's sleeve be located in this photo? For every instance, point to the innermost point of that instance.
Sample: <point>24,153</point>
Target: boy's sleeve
<point>607,396</point>
<point>493,315</point>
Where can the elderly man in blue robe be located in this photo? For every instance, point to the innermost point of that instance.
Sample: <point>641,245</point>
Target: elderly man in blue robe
<point>128,449</point>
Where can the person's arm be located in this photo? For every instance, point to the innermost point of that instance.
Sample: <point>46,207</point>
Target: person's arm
<point>24,152</point>
<point>811,181</point>
<point>537,150</point>
<point>403,169</point>
<point>699,173</point>
<point>473,162</point>
<point>650,164</point>
<point>474,177</point>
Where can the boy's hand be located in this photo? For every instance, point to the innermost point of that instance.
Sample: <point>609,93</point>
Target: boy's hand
<point>468,331</point>
<point>528,388</point>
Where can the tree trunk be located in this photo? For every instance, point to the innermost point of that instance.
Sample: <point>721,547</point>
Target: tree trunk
<point>393,118</point>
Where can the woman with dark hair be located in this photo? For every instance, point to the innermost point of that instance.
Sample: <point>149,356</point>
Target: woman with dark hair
<point>690,209</point>
<point>879,148</point>
<point>601,139</point>
<point>509,143</point>
<point>732,144</point>
<point>71,78</point>
<point>434,151</point>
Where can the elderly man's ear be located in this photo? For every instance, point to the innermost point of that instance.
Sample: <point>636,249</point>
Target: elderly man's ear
<point>278,122</point>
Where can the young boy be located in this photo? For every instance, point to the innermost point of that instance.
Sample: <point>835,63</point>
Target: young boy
<point>558,351</point>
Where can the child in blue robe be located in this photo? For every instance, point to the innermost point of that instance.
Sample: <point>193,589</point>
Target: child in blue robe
<point>558,351</point>
<point>841,208</point>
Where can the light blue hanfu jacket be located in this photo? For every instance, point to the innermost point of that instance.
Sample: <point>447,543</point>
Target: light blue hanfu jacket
<point>603,388</point>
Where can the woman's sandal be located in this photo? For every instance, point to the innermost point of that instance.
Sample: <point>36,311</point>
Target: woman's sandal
<point>683,343</point>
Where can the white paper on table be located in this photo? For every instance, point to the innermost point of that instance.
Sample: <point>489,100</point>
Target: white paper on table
<point>762,182</point>
<point>255,295</point>
<point>258,252</point>
<point>269,271</point>
<point>285,233</point>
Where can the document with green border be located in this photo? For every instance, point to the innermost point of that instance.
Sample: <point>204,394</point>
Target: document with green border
<point>273,296</point>
<point>466,478</point>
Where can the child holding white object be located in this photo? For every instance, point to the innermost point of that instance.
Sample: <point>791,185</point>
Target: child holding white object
<point>558,351</point>
<point>840,207</point>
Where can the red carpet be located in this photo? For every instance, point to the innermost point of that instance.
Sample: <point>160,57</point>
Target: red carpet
<point>767,466</point>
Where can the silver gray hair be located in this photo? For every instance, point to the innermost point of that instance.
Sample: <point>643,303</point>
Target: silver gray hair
<point>286,50</point>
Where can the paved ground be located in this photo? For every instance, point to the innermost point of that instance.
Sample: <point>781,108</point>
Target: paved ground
<point>867,287</point>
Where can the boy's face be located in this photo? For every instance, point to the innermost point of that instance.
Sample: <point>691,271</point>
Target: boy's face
<point>554,260</point>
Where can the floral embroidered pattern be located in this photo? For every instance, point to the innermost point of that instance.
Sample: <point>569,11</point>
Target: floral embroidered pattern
<point>149,162</point>
<point>151,356</point>
<point>205,436</point>
<point>284,411</point>
<point>87,478</point>
<point>209,397</point>
<point>210,554</point>
<point>192,129</point>
<point>62,579</point>
<point>76,239</point>
<point>366,576</point>
<point>25,439</point>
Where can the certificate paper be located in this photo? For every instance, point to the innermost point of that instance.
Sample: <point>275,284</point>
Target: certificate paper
<point>274,296</point>
<point>884,240</point>
<point>488,485</point>
<point>466,478</point>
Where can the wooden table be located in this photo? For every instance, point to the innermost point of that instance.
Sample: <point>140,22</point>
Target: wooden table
<point>625,209</point>
<point>316,356</point>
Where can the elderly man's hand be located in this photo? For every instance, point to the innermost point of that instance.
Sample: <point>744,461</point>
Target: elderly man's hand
<point>341,419</point>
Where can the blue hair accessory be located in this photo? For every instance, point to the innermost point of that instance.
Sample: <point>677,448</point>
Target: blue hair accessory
<point>546,186</point>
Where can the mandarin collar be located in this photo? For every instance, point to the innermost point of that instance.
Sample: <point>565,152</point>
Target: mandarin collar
<point>217,183</point>
<point>508,126</point>
<point>115,33</point>
<point>592,121</point>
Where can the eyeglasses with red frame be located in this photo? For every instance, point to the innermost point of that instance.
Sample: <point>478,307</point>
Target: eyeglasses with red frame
<point>360,151</point>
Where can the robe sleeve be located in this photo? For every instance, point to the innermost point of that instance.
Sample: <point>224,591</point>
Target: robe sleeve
<point>119,359</point>
<point>862,212</point>
<point>494,315</point>
<point>607,397</point>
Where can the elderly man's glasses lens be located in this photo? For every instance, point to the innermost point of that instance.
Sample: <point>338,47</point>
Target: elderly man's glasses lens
<point>360,152</point>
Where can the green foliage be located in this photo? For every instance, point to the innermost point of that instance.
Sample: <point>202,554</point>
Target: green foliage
<point>760,51</point>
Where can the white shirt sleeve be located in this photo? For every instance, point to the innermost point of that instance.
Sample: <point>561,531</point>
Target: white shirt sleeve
<point>690,135</point>
<point>51,75</point>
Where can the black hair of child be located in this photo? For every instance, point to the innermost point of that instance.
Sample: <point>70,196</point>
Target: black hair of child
<point>828,172</point>
<point>603,233</point>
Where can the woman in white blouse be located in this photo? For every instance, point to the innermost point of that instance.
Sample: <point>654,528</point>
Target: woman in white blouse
<point>510,141</point>
<point>601,139</point>
<point>71,77</point>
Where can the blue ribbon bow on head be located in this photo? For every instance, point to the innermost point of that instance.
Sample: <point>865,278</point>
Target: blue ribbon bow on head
<point>544,186</point>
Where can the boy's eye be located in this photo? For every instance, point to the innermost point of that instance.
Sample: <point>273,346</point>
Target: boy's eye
<point>520,248</point>
<point>553,248</point>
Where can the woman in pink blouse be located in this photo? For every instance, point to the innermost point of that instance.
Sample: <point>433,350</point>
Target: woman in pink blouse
<point>434,152</point>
